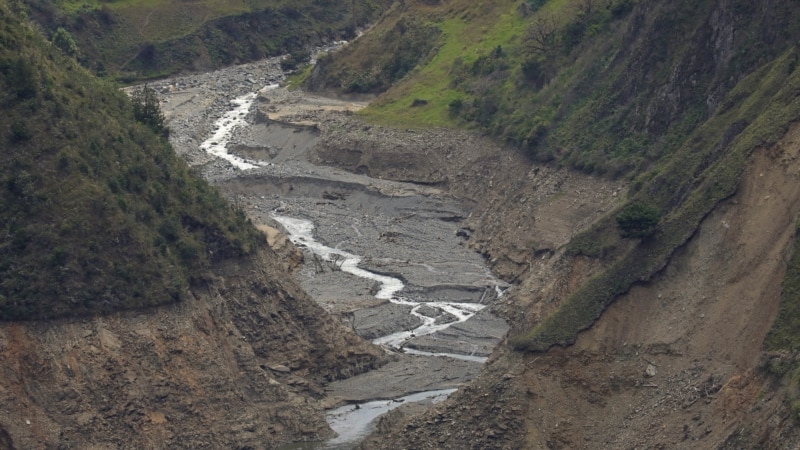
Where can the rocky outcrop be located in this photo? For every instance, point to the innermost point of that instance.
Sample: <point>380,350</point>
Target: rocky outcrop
<point>240,364</point>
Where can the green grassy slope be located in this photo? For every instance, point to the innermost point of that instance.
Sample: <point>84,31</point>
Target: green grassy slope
<point>673,95</point>
<point>608,88</point>
<point>137,39</point>
<point>96,212</point>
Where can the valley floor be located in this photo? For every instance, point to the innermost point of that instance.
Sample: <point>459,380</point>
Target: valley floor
<point>407,230</point>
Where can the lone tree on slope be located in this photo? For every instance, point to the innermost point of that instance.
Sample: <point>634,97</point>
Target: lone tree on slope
<point>146,108</point>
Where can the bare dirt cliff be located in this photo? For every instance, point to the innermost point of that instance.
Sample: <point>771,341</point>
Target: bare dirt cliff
<point>238,365</point>
<point>675,363</point>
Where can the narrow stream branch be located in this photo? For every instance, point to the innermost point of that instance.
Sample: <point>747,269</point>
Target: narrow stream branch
<point>301,233</point>
<point>352,422</point>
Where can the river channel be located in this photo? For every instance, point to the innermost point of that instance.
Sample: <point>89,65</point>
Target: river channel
<point>390,259</point>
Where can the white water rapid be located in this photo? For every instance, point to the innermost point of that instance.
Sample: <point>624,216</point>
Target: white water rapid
<point>223,128</point>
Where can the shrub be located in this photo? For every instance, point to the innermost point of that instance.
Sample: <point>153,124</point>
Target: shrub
<point>638,220</point>
<point>533,71</point>
<point>295,59</point>
<point>20,132</point>
<point>19,77</point>
<point>65,42</point>
<point>455,107</point>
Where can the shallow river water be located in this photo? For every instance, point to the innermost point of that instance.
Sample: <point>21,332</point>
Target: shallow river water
<point>301,233</point>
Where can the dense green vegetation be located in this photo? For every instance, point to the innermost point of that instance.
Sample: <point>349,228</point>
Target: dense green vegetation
<point>139,39</point>
<point>97,213</point>
<point>638,220</point>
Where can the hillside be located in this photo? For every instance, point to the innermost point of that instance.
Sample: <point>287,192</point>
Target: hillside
<point>689,104</point>
<point>138,309</point>
<point>95,218</point>
<point>136,39</point>
<point>531,73</point>
<point>692,134</point>
<point>630,166</point>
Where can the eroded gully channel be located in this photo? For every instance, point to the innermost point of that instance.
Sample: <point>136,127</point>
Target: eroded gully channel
<point>385,257</point>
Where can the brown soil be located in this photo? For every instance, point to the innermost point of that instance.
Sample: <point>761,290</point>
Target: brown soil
<point>521,212</point>
<point>243,362</point>
<point>290,107</point>
<point>672,364</point>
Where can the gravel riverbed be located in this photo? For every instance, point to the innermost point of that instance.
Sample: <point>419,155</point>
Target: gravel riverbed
<point>411,232</point>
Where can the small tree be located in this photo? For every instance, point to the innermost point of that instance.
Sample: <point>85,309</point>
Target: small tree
<point>541,35</point>
<point>638,220</point>
<point>146,108</point>
<point>65,42</point>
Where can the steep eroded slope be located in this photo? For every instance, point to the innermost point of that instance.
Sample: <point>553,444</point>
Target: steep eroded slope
<point>137,308</point>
